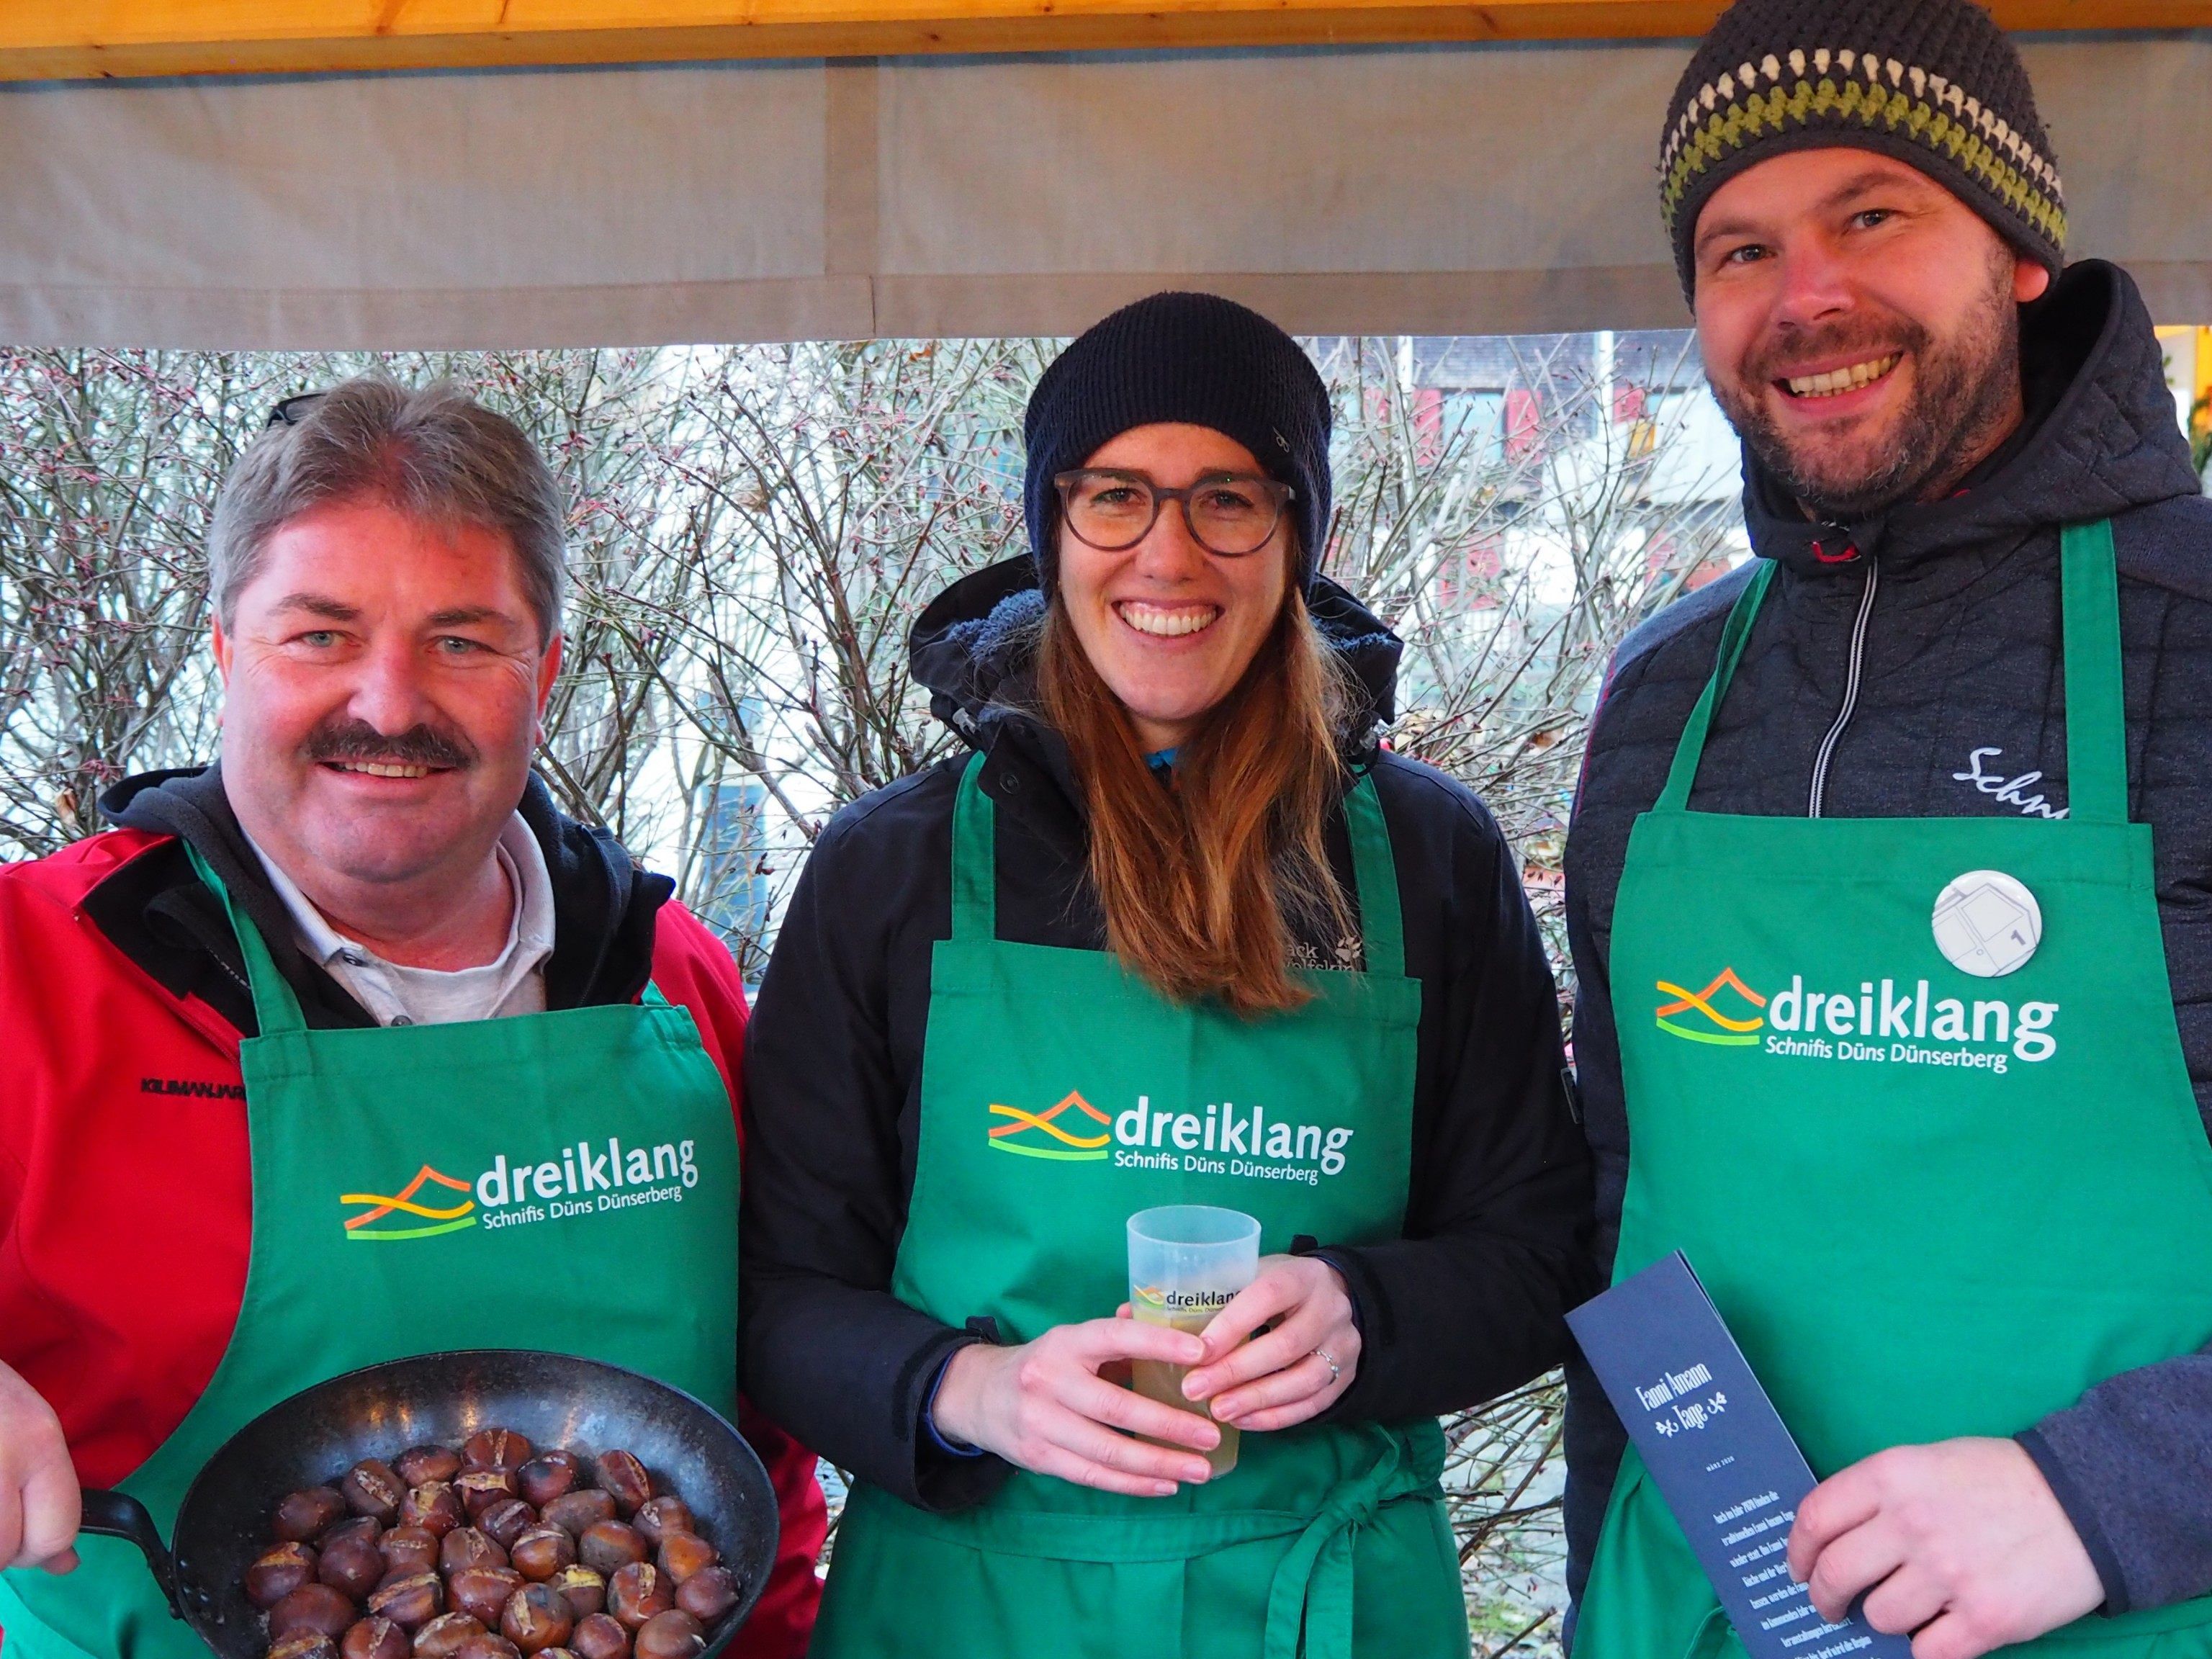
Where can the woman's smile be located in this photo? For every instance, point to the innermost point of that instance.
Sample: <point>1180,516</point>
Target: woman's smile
<point>1166,621</point>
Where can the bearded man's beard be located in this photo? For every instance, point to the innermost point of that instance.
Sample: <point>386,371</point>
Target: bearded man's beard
<point>1962,389</point>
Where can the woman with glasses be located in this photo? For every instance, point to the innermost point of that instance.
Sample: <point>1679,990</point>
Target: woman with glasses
<point>1171,928</point>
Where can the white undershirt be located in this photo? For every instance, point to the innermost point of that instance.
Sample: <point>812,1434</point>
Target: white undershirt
<point>513,983</point>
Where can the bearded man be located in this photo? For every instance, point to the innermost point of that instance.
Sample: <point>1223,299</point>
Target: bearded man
<point>1887,886</point>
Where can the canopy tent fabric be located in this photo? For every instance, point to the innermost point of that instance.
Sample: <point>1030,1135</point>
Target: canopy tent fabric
<point>1433,189</point>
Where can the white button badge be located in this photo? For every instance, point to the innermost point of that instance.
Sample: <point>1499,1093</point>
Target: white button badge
<point>1987,924</point>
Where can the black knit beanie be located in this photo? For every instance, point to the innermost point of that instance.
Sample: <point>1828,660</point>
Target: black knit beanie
<point>1934,83</point>
<point>1193,359</point>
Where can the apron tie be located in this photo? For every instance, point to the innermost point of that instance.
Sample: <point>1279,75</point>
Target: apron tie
<point>1309,1602</point>
<point>1309,1599</point>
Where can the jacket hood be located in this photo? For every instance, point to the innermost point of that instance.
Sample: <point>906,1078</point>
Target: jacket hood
<point>2100,438</point>
<point>605,904</point>
<point>972,648</point>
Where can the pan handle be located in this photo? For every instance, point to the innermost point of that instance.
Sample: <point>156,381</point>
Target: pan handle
<point>119,1515</point>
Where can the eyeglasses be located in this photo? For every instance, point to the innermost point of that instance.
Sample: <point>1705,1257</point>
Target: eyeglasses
<point>1229,513</point>
<point>290,411</point>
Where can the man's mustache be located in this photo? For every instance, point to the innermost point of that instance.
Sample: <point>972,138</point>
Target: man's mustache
<point>357,741</point>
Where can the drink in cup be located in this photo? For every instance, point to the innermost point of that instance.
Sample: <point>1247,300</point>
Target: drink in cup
<point>1186,1261</point>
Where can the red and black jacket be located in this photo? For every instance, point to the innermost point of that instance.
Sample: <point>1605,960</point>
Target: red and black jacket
<point>126,1186</point>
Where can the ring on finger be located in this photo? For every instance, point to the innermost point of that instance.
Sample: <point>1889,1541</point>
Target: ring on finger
<point>1335,1370</point>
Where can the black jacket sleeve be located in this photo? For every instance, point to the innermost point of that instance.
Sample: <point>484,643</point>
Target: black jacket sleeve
<point>829,1352</point>
<point>1468,1304</point>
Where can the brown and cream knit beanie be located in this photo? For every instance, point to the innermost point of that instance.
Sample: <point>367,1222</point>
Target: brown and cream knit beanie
<point>1934,83</point>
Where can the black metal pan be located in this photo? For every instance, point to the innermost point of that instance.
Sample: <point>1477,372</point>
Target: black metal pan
<point>314,1437</point>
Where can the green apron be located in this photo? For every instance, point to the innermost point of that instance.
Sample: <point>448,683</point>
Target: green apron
<point>1930,1202</point>
<point>411,1184</point>
<point>1060,1095</point>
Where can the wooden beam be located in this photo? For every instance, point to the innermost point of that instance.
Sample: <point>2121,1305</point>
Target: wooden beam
<point>74,39</point>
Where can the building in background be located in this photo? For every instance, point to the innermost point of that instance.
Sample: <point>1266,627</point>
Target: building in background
<point>735,892</point>
<point>2188,353</point>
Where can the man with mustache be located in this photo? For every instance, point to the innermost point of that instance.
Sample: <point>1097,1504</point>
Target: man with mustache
<point>1886,884</point>
<point>353,1046</point>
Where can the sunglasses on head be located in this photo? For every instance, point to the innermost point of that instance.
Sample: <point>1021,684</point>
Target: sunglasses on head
<point>290,411</point>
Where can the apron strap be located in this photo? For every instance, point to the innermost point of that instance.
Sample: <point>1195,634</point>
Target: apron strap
<point>1382,927</point>
<point>1382,920</point>
<point>2096,717</point>
<point>276,1010</point>
<point>974,859</point>
<point>2096,721</point>
<point>1675,797</point>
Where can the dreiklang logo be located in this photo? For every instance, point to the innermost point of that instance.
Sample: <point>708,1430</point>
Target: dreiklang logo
<point>1870,1021</point>
<point>1165,1305</point>
<point>1245,1141</point>
<point>1228,1140</point>
<point>583,1179</point>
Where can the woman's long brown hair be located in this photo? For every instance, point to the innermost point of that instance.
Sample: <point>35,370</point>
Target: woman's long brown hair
<point>1205,883</point>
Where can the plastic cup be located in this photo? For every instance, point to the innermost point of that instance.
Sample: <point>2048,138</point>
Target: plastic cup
<point>1186,1261</point>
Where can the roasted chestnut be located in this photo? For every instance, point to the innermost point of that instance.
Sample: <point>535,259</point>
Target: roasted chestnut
<point>536,1617</point>
<point>481,1488</point>
<point>420,1464</point>
<point>442,1637</point>
<point>600,1636</point>
<point>496,1449</point>
<point>312,1607</point>
<point>464,1546</point>
<point>370,1488</point>
<point>547,1475</point>
<point>635,1592</point>
<point>481,1592</point>
<point>583,1587</point>
<point>672,1635</point>
<point>683,1553</point>
<point>496,1551</point>
<point>608,1545</point>
<point>505,1520</point>
<point>709,1594</point>
<point>573,1511</point>
<point>624,1480</point>
<point>435,1506</point>
<point>276,1573</point>
<point>354,1525</point>
<point>302,1515</point>
<point>353,1565</point>
<point>663,1515</point>
<point>375,1638</point>
<point>410,1601</point>
<point>542,1552</point>
<point>411,1549</point>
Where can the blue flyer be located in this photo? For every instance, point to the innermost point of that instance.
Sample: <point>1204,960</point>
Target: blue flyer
<point>1719,1454</point>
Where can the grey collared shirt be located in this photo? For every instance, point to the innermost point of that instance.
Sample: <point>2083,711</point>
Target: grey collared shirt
<point>513,983</point>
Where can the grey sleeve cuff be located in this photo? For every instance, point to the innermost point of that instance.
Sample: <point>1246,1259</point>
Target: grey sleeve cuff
<point>2084,1519</point>
<point>2130,1462</point>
